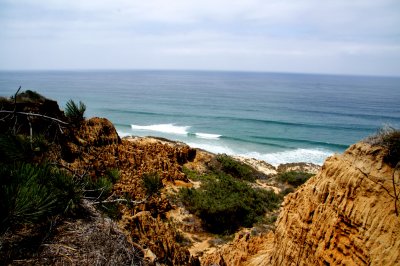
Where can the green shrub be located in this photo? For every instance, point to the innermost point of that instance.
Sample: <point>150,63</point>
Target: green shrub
<point>14,148</point>
<point>191,174</point>
<point>74,112</point>
<point>235,168</point>
<point>30,96</point>
<point>98,189</point>
<point>294,178</point>
<point>113,174</point>
<point>152,183</point>
<point>224,204</point>
<point>32,193</point>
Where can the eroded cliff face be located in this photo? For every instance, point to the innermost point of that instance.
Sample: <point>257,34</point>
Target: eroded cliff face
<point>95,147</point>
<point>345,215</point>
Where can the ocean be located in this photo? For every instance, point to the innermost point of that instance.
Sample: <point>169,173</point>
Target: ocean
<point>275,117</point>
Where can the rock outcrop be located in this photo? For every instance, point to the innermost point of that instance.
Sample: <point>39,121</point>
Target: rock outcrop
<point>94,148</point>
<point>345,215</point>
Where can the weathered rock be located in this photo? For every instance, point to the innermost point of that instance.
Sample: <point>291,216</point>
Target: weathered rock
<point>95,148</point>
<point>345,215</point>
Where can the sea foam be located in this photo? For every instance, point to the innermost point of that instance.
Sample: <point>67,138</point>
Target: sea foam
<point>207,136</point>
<point>316,156</point>
<point>164,128</point>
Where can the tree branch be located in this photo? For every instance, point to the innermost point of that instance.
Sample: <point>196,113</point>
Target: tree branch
<point>122,200</point>
<point>33,114</point>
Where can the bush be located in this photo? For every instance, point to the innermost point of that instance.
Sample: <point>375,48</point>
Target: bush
<point>224,204</point>
<point>31,193</point>
<point>152,183</point>
<point>236,169</point>
<point>294,178</point>
<point>74,112</point>
<point>389,138</point>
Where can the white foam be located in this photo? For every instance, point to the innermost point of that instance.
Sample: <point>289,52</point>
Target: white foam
<point>212,148</point>
<point>316,156</point>
<point>164,128</point>
<point>207,136</point>
<point>122,134</point>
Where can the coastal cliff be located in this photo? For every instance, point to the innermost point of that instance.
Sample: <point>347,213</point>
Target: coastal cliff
<point>344,215</point>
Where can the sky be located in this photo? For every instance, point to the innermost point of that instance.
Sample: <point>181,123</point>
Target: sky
<point>360,37</point>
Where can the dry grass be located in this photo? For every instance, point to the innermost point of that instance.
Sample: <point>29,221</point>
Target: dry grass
<point>91,241</point>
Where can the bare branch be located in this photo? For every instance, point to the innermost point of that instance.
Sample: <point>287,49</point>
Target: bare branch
<point>37,115</point>
<point>121,200</point>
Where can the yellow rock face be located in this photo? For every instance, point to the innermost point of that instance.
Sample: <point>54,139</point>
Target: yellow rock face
<point>345,215</point>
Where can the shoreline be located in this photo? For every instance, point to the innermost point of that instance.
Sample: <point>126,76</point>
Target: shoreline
<point>313,154</point>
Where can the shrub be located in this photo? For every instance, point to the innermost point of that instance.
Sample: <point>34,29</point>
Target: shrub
<point>98,189</point>
<point>224,204</point>
<point>30,96</point>
<point>294,178</point>
<point>74,112</point>
<point>152,183</point>
<point>389,138</point>
<point>236,169</point>
<point>31,193</point>
<point>113,174</point>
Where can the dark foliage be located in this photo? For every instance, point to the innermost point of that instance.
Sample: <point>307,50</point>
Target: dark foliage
<point>33,193</point>
<point>225,204</point>
<point>74,112</point>
<point>152,182</point>
<point>236,169</point>
<point>389,138</point>
<point>294,178</point>
<point>391,141</point>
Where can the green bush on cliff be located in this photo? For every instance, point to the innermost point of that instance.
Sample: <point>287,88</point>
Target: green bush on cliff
<point>236,169</point>
<point>224,203</point>
<point>391,140</point>
<point>74,112</point>
<point>33,193</point>
<point>152,183</point>
<point>294,178</point>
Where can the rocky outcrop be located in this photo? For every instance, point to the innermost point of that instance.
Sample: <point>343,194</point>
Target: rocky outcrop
<point>94,148</point>
<point>345,215</point>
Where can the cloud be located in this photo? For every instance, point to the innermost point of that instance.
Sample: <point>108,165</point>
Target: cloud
<point>300,36</point>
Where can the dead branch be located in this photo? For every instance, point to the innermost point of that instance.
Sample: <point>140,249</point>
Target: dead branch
<point>134,202</point>
<point>395,195</point>
<point>33,114</point>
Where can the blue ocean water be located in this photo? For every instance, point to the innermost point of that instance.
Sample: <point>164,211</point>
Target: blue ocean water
<point>270,116</point>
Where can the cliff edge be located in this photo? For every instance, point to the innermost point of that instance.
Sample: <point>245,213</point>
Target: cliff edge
<point>345,215</point>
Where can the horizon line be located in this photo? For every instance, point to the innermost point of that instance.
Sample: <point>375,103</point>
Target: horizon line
<point>200,70</point>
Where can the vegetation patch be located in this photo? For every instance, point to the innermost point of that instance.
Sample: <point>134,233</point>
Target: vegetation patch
<point>389,138</point>
<point>294,178</point>
<point>33,193</point>
<point>225,204</point>
<point>235,168</point>
<point>75,112</point>
<point>152,183</point>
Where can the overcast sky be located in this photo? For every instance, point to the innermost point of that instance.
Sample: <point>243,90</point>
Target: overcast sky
<point>308,36</point>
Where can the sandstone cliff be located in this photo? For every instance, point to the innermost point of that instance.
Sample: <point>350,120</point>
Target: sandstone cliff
<point>345,215</point>
<point>95,147</point>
